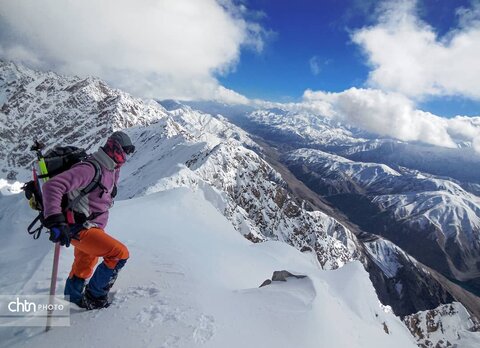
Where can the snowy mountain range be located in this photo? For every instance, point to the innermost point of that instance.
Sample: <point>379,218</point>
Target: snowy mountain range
<point>406,206</point>
<point>427,192</point>
<point>276,178</point>
<point>54,108</point>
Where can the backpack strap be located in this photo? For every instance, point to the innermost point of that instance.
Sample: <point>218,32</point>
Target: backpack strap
<point>96,182</point>
<point>97,178</point>
<point>37,231</point>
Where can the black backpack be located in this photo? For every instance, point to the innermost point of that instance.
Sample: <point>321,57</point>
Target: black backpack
<point>59,160</point>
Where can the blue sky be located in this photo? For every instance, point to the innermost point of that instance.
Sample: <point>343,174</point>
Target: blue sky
<point>319,32</point>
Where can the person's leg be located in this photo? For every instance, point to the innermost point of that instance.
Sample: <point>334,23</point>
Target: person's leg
<point>82,268</point>
<point>97,243</point>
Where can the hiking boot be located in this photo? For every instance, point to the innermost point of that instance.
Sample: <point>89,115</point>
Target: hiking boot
<point>90,302</point>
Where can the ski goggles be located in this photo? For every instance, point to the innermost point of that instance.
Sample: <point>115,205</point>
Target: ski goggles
<point>129,149</point>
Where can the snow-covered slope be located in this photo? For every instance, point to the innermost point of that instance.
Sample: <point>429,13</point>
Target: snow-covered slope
<point>60,109</point>
<point>194,282</point>
<point>398,172</point>
<point>403,281</point>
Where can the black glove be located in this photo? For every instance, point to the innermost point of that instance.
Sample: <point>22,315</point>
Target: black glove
<point>53,220</point>
<point>60,233</point>
<point>59,230</point>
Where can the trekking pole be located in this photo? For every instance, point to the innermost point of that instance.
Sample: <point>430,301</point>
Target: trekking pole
<point>37,147</point>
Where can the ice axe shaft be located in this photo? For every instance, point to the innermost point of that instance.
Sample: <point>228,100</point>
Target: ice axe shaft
<point>53,285</point>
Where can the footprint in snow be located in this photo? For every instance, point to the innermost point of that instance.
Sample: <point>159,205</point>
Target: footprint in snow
<point>184,320</point>
<point>123,295</point>
<point>205,329</point>
<point>161,312</point>
<point>171,342</point>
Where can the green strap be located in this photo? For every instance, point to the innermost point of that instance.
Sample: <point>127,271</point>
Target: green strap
<point>43,169</point>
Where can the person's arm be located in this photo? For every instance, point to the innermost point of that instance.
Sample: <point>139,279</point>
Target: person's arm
<point>53,190</point>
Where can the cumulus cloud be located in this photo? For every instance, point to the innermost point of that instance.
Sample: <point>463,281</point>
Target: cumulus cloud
<point>393,115</point>
<point>463,128</point>
<point>407,55</point>
<point>409,62</point>
<point>161,49</point>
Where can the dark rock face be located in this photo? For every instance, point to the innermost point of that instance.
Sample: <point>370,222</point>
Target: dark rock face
<point>410,290</point>
<point>260,194</point>
<point>281,276</point>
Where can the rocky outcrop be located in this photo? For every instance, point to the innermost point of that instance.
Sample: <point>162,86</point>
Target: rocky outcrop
<point>446,326</point>
<point>281,276</point>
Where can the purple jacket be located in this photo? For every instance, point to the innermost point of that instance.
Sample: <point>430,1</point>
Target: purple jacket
<point>75,179</point>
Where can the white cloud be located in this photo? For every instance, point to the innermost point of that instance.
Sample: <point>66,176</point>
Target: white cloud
<point>162,49</point>
<point>463,128</point>
<point>407,56</point>
<point>393,115</point>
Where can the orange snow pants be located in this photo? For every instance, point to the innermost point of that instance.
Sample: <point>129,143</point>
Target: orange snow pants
<point>92,244</point>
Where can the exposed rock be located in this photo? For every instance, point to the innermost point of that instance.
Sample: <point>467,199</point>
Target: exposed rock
<point>281,276</point>
<point>446,326</point>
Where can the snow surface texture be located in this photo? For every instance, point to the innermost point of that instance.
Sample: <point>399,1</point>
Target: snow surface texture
<point>194,282</point>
